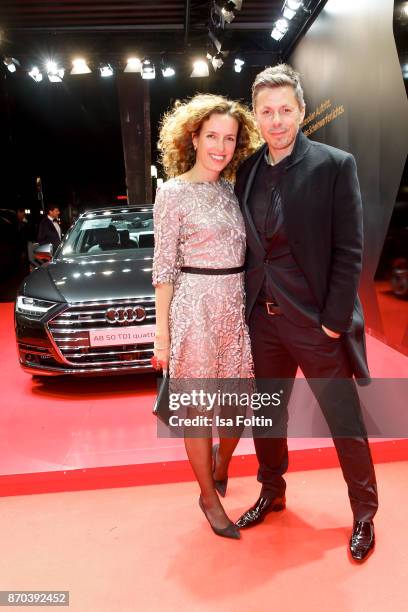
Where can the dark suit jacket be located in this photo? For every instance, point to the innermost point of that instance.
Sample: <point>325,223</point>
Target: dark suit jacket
<point>48,233</point>
<point>322,214</point>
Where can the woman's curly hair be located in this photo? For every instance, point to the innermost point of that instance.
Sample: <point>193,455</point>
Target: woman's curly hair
<point>186,118</point>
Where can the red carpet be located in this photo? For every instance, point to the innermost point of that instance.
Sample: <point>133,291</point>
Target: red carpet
<point>394,316</point>
<point>150,549</point>
<point>65,434</point>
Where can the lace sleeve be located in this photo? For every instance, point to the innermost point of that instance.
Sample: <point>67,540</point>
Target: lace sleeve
<point>166,219</point>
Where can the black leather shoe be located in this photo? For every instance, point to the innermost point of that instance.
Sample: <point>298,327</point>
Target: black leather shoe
<point>259,510</point>
<point>220,485</point>
<point>362,540</point>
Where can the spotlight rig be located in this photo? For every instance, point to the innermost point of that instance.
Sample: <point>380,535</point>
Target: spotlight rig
<point>221,12</point>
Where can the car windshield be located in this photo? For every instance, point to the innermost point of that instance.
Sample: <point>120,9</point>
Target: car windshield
<point>110,231</point>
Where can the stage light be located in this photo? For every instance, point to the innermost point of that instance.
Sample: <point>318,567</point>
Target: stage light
<point>228,15</point>
<point>11,63</point>
<point>288,13</point>
<point>280,28</point>
<point>293,4</point>
<point>277,34</point>
<point>238,63</point>
<point>54,73</point>
<point>290,8</point>
<point>106,70</point>
<point>282,25</point>
<point>51,66</point>
<point>79,66</point>
<point>35,74</point>
<point>200,69</point>
<point>148,70</point>
<point>168,71</point>
<point>216,60</point>
<point>133,65</point>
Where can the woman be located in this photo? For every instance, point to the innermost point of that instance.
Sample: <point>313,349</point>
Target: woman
<point>198,267</point>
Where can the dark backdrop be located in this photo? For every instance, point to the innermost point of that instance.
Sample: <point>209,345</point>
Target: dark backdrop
<point>69,133</point>
<point>349,57</point>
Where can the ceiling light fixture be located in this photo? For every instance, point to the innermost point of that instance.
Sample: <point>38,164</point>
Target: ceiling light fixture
<point>288,13</point>
<point>54,73</point>
<point>168,71</point>
<point>238,63</point>
<point>277,34</point>
<point>148,70</point>
<point>106,70</point>
<point>11,63</point>
<point>280,28</point>
<point>294,4</point>
<point>200,69</point>
<point>217,60</point>
<point>282,25</point>
<point>228,15</point>
<point>79,66</point>
<point>290,8</point>
<point>35,74</point>
<point>133,65</point>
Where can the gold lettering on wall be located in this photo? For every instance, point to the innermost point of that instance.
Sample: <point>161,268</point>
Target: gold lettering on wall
<point>312,119</point>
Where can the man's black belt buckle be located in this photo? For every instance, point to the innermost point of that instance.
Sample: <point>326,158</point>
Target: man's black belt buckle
<point>272,308</point>
<point>212,271</point>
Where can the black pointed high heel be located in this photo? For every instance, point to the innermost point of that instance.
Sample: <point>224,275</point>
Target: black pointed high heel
<point>231,531</point>
<point>220,485</point>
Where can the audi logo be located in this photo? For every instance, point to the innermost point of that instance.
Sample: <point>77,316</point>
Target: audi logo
<point>128,314</point>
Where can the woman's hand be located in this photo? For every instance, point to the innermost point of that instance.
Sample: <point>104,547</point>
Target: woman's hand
<point>161,351</point>
<point>164,295</point>
<point>160,361</point>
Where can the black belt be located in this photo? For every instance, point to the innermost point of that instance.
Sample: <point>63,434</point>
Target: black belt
<point>272,308</point>
<point>212,271</point>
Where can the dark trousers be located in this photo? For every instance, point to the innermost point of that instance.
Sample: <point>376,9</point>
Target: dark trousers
<point>278,348</point>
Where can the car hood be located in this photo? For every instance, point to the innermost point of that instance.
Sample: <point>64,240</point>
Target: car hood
<point>96,277</point>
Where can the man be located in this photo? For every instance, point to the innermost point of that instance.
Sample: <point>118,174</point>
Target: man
<point>302,208</point>
<point>49,230</point>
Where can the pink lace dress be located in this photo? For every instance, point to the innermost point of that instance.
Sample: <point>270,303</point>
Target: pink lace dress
<point>200,225</point>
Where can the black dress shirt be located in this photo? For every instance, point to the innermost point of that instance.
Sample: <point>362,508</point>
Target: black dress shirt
<point>284,281</point>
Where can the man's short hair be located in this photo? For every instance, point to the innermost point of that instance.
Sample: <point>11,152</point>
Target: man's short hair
<point>50,207</point>
<point>278,76</point>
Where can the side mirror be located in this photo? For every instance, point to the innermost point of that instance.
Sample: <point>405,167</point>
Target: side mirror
<point>43,253</point>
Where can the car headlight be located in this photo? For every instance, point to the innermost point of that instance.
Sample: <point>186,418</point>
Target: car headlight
<point>33,306</point>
